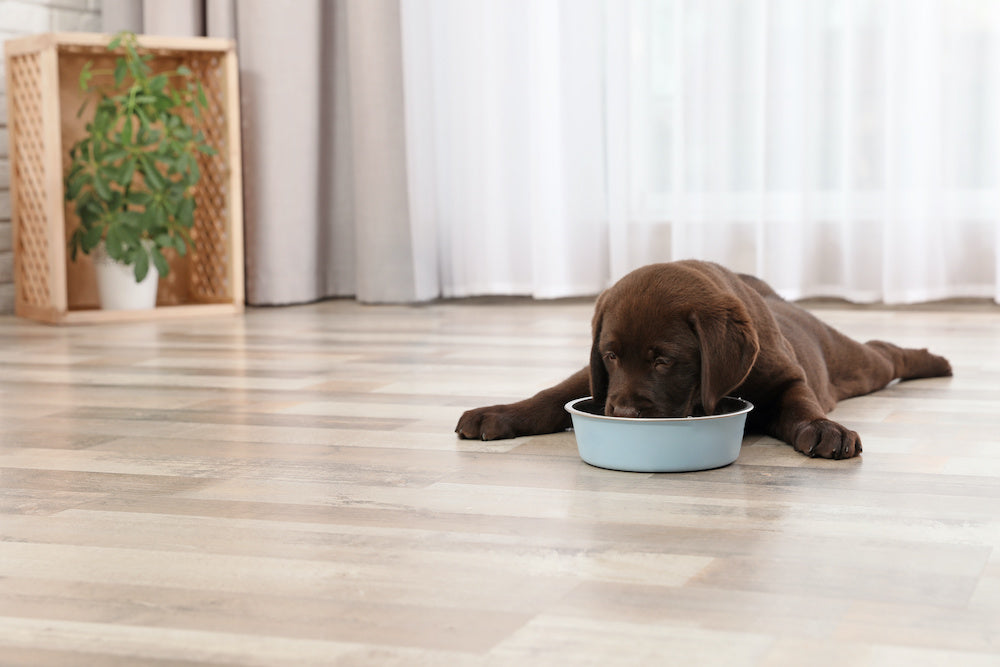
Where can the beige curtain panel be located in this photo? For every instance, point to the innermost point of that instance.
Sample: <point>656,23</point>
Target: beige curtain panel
<point>324,156</point>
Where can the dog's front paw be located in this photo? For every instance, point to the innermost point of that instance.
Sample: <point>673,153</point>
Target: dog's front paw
<point>826,439</point>
<point>496,422</point>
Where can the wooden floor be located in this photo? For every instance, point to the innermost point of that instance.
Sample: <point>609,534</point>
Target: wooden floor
<point>285,488</point>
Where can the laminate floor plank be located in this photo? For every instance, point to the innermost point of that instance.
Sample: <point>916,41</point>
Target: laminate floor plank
<point>285,488</point>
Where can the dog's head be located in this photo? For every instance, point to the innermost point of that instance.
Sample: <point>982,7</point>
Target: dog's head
<point>668,342</point>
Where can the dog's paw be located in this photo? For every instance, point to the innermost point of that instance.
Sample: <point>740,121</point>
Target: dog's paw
<point>826,439</point>
<point>496,422</point>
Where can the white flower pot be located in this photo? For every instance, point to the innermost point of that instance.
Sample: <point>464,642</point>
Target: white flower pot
<point>116,285</point>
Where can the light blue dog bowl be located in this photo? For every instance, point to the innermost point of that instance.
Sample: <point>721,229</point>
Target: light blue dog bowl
<point>659,445</point>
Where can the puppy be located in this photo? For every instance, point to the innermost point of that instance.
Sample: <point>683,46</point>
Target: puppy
<point>670,340</point>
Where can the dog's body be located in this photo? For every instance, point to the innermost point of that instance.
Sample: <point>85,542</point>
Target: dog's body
<point>670,340</point>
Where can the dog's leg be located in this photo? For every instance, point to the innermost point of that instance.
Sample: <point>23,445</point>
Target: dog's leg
<point>909,363</point>
<point>799,420</point>
<point>542,413</point>
<point>873,365</point>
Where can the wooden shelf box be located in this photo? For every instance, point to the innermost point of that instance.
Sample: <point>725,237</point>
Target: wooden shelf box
<point>43,97</point>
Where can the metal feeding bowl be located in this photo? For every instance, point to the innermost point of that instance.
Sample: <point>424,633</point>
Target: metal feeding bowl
<point>659,445</point>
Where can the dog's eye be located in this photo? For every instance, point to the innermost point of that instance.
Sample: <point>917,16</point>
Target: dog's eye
<point>662,363</point>
<point>610,356</point>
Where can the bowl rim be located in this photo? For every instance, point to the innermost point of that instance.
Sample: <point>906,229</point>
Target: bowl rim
<point>573,410</point>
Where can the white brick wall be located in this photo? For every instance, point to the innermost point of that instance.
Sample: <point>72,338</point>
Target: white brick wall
<point>18,18</point>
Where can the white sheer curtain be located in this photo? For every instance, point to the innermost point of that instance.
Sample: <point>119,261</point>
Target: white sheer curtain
<point>833,147</point>
<point>506,143</point>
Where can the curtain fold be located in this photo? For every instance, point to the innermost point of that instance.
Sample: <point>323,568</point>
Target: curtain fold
<point>507,139</point>
<point>835,148</point>
<point>326,200</point>
<point>402,150</point>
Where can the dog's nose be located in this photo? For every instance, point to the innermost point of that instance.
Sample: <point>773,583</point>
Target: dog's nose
<point>624,411</point>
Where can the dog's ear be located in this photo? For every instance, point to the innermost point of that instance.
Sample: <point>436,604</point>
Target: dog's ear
<point>729,347</point>
<point>598,372</point>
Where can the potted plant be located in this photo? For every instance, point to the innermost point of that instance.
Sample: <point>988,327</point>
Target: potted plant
<point>131,177</point>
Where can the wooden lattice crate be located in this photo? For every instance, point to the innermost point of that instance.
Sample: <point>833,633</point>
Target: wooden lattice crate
<point>43,97</point>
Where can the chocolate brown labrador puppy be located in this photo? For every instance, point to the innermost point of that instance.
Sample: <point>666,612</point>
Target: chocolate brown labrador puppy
<point>671,339</point>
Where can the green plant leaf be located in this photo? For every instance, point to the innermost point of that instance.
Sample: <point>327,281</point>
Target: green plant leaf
<point>141,260</point>
<point>144,122</point>
<point>102,120</point>
<point>85,75</point>
<point>132,54</point>
<point>90,207</point>
<point>160,262</point>
<point>90,239</point>
<point>114,155</point>
<point>152,174</point>
<point>138,197</point>
<point>128,171</point>
<point>185,212</point>
<point>182,241</point>
<point>158,209</point>
<point>83,107</point>
<point>102,188</point>
<point>169,205</point>
<point>168,161</point>
<point>158,83</point>
<point>194,173</point>
<point>113,243</point>
<point>130,235</point>
<point>75,180</point>
<point>139,220</point>
<point>126,134</point>
<point>75,239</point>
<point>121,69</point>
<point>73,187</point>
